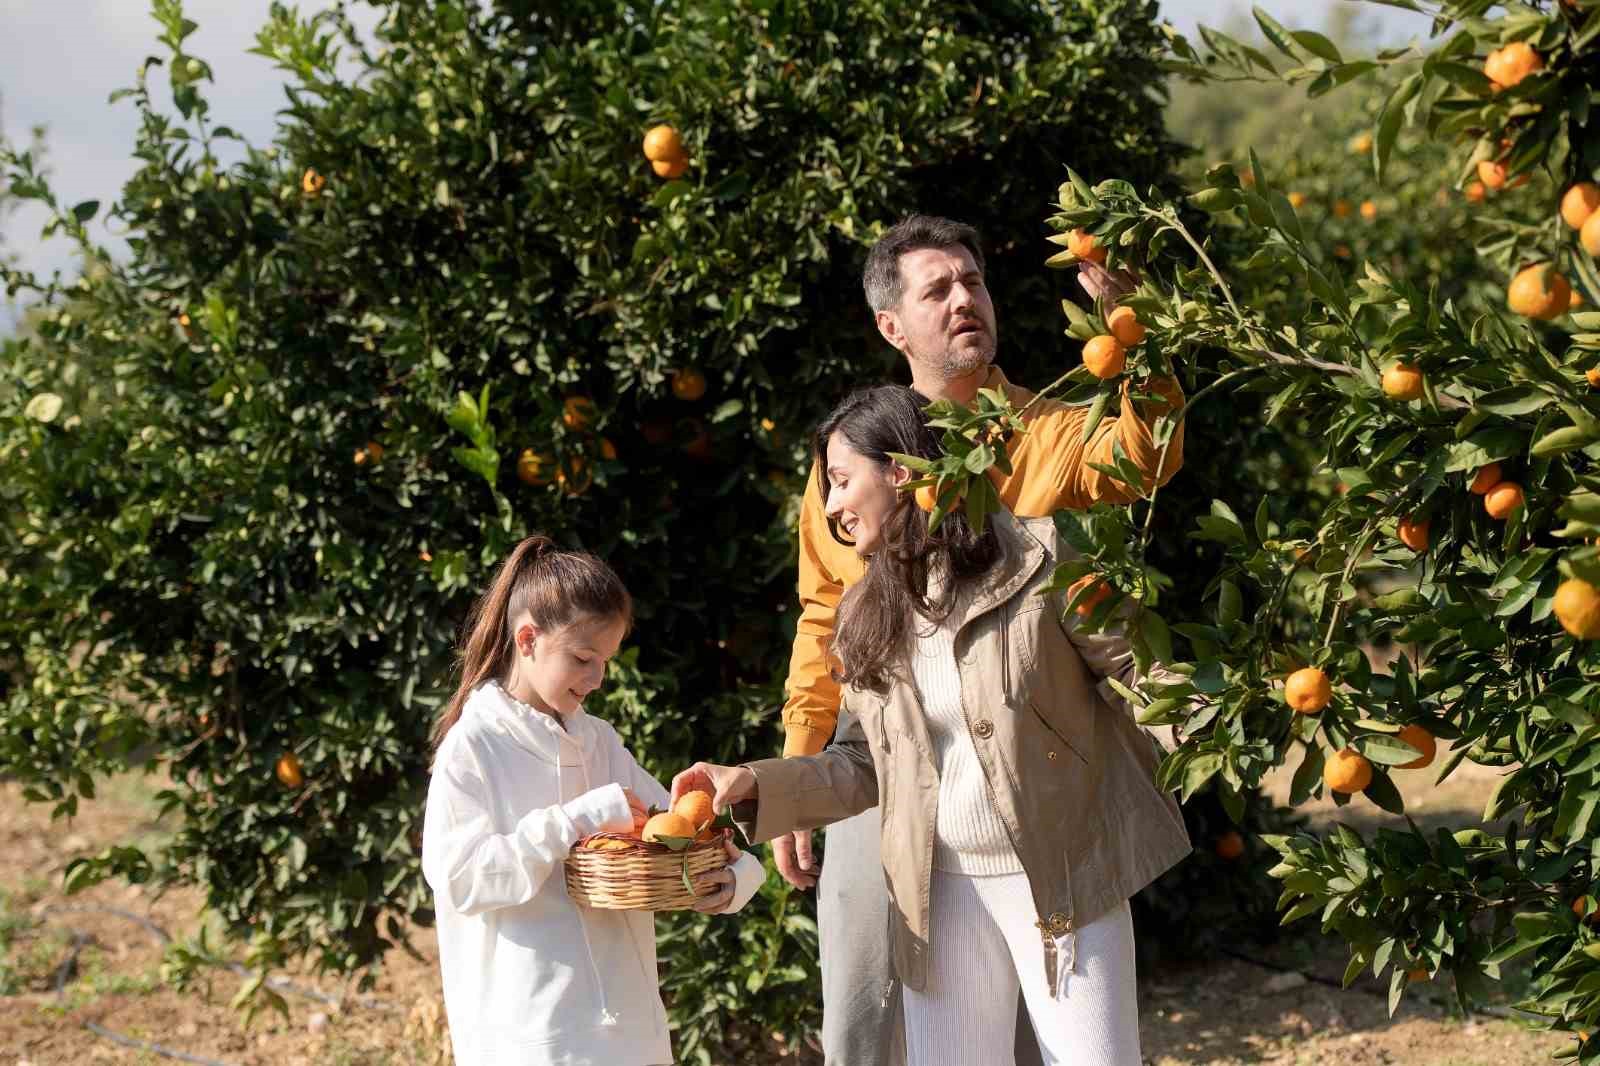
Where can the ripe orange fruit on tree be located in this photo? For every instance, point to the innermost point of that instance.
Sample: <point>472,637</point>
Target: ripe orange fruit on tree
<point>578,412</point>
<point>670,168</point>
<point>1124,325</point>
<point>688,384</point>
<point>1347,771</point>
<point>1577,608</point>
<point>927,497</point>
<point>1369,210</point>
<point>1230,846</point>
<point>1592,376</point>
<point>535,468</point>
<point>608,451</point>
<point>1485,479</point>
<point>1297,200</point>
<point>370,452</point>
<point>1589,235</point>
<point>1414,535</point>
<point>1492,173</point>
<point>1402,381</point>
<point>1509,65</point>
<point>1576,301</point>
<point>1308,690</point>
<point>1417,974</point>
<point>1539,292</point>
<point>1081,243</point>
<point>311,182</point>
<point>288,772</point>
<point>1580,202</point>
<point>667,824</point>
<point>1105,356</point>
<point>1423,741</point>
<point>1098,591</point>
<point>1361,143</point>
<point>662,142</point>
<point>695,806</point>
<point>1501,500</point>
<point>1475,192</point>
<point>574,478</point>
<point>1341,208</point>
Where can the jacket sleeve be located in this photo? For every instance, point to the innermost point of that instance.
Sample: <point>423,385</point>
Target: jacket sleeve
<point>474,869</point>
<point>807,791</point>
<point>748,877</point>
<point>811,709</point>
<point>1051,463</point>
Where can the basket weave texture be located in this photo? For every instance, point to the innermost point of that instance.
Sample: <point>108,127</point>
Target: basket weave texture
<point>640,877</point>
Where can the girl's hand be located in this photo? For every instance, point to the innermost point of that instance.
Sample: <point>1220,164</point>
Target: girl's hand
<point>716,888</point>
<point>635,804</point>
<point>727,784</point>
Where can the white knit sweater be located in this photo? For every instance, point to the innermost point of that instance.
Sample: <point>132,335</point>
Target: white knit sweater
<point>968,835</point>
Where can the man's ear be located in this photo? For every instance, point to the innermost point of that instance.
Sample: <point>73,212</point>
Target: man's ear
<point>889,327</point>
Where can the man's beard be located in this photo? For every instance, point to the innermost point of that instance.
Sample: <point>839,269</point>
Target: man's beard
<point>958,362</point>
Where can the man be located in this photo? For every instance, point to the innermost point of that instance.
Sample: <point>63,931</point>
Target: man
<point>924,282</point>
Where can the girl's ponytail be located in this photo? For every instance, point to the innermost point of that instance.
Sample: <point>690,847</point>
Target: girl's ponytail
<point>554,586</point>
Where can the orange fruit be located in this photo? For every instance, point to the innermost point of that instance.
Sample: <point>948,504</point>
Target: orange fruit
<point>1361,143</point>
<point>1124,325</point>
<point>1402,381</point>
<point>288,772</point>
<point>1581,909</point>
<point>1341,208</point>
<point>1492,173</point>
<point>1094,598</point>
<point>667,824</point>
<point>311,182</point>
<point>1501,500</point>
<point>425,555</point>
<point>578,412</point>
<point>1414,535</point>
<point>1475,192</point>
<point>608,451</point>
<point>1369,210</point>
<point>662,143</point>
<point>1342,250</point>
<point>606,844</point>
<point>695,806</point>
<point>534,468</point>
<point>1539,292</point>
<point>1592,376</point>
<point>1576,301</point>
<point>1589,235</point>
<point>1297,200</point>
<point>670,168</point>
<point>1347,771</point>
<point>1423,741</point>
<point>1485,479</point>
<point>1417,974</point>
<point>1230,846</point>
<point>1509,65</point>
<point>927,497</point>
<point>1104,356</point>
<point>1577,608</point>
<point>1579,202</point>
<point>574,478</point>
<point>370,452</point>
<point>1081,243</point>
<point>1307,690</point>
<point>688,384</point>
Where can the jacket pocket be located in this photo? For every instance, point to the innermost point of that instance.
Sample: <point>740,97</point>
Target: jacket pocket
<point>1054,730</point>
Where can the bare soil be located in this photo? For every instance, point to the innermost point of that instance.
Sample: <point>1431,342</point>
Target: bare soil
<point>81,982</point>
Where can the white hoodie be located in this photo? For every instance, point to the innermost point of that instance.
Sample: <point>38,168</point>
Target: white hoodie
<point>530,979</point>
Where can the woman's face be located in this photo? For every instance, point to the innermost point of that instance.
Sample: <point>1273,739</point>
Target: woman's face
<point>862,494</point>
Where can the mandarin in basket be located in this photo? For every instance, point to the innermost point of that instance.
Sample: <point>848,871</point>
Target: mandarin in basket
<point>695,806</point>
<point>667,825</point>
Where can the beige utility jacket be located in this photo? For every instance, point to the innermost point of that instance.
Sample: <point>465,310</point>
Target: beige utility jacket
<point>1070,773</point>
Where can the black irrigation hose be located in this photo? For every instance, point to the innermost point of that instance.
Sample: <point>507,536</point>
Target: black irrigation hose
<point>80,939</point>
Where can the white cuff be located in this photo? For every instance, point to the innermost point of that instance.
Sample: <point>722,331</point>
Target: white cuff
<point>600,810</point>
<point>748,877</point>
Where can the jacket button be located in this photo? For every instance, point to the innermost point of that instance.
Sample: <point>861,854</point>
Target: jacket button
<point>984,729</point>
<point>1059,923</point>
<point>1050,755</point>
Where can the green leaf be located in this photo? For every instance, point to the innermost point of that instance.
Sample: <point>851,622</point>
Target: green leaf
<point>1515,400</point>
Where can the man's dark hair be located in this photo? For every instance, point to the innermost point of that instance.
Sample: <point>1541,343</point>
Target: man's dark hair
<point>881,276</point>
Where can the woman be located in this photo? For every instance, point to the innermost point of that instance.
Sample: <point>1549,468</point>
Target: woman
<point>1017,793</point>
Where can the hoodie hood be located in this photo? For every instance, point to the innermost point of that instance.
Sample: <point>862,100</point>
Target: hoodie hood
<point>532,729</point>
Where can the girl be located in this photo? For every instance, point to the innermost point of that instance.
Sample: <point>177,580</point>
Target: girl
<point>520,774</point>
<point>1016,792</point>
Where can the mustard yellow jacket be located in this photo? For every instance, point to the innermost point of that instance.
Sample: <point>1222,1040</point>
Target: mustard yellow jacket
<point>1049,471</point>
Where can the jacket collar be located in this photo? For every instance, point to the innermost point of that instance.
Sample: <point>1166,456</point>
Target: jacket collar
<point>1021,557</point>
<point>534,730</point>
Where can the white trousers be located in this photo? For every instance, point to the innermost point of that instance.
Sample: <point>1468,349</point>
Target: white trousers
<point>983,948</point>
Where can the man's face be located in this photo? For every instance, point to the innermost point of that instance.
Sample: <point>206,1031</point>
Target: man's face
<point>945,322</point>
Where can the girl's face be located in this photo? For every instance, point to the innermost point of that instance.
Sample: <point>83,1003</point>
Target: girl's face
<point>558,668</point>
<point>862,494</point>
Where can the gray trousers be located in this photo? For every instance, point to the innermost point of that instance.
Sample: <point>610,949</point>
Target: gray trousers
<point>861,1021</point>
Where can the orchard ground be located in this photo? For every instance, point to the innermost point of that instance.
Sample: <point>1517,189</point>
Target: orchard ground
<point>1281,1007</point>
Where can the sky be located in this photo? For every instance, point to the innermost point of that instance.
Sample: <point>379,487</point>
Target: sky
<point>61,59</point>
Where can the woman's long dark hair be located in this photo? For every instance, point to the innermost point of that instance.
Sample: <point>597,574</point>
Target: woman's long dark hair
<point>873,629</point>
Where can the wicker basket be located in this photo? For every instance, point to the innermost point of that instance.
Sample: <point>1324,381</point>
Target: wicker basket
<point>640,877</point>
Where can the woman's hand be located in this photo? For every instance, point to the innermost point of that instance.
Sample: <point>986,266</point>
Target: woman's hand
<point>727,784</point>
<point>715,889</point>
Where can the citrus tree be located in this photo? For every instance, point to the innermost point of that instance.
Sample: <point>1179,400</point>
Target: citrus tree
<point>590,269</point>
<point>1451,517</point>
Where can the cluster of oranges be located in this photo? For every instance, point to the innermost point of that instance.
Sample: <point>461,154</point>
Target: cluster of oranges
<point>664,148</point>
<point>689,819</point>
<point>1347,771</point>
<point>571,473</point>
<point>1501,498</point>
